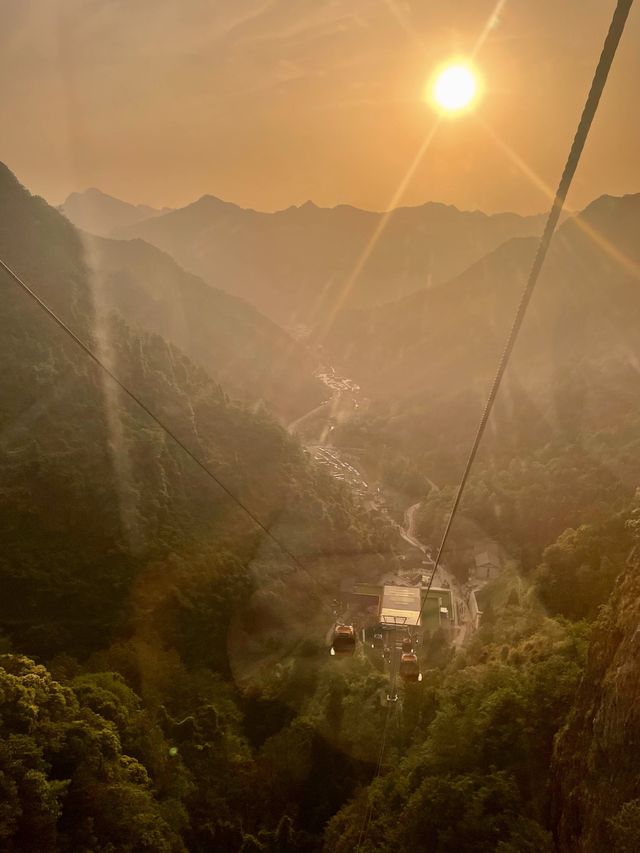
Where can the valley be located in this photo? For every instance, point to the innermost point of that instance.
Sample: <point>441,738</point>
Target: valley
<point>319,427</point>
<point>202,644</point>
<point>315,429</point>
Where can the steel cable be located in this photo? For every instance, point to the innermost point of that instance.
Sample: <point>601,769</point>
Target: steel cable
<point>619,19</point>
<point>167,430</point>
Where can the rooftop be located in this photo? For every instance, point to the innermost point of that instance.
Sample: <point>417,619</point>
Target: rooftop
<point>400,604</point>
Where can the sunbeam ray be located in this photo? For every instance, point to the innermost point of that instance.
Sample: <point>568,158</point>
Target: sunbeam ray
<point>492,20</point>
<point>379,229</point>
<point>628,264</point>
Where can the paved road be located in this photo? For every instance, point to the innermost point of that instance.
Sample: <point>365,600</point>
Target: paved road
<point>443,578</point>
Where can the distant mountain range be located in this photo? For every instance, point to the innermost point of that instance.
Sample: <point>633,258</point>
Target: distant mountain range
<point>93,493</point>
<point>586,308</point>
<point>305,264</point>
<point>429,358</point>
<point>99,213</point>
<point>252,358</point>
<point>448,282</point>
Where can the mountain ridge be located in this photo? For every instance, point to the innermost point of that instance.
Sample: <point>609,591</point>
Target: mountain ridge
<point>593,232</point>
<point>94,494</point>
<point>299,265</point>
<point>249,355</point>
<point>99,213</point>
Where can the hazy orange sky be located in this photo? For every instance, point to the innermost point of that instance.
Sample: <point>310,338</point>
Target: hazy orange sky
<point>269,103</point>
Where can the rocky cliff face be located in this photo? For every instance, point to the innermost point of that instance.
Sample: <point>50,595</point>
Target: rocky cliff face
<point>596,769</point>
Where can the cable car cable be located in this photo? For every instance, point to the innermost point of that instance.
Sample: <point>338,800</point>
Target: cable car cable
<point>607,56</point>
<point>612,40</point>
<point>202,465</point>
<point>369,811</point>
<point>383,742</point>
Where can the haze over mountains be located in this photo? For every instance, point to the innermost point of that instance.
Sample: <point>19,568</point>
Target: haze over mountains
<point>297,265</point>
<point>436,344</point>
<point>427,361</point>
<point>265,585</point>
<point>85,470</point>
<point>99,213</point>
<point>586,310</point>
<point>182,646</point>
<point>253,358</point>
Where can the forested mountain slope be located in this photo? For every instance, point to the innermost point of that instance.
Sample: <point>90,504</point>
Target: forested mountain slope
<point>467,766</point>
<point>182,698</point>
<point>428,360</point>
<point>91,489</point>
<point>585,308</point>
<point>296,264</point>
<point>99,213</point>
<point>137,580</point>
<point>248,354</point>
<point>596,774</point>
<point>508,739</point>
<point>562,448</point>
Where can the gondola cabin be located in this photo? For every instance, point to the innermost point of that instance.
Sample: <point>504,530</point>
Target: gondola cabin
<point>407,645</point>
<point>409,670</point>
<point>344,641</point>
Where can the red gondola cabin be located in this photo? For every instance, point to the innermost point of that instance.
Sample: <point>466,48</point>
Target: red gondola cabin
<point>410,668</point>
<point>344,641</point>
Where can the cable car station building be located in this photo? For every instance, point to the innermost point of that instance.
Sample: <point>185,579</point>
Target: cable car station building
<point>400,604</point>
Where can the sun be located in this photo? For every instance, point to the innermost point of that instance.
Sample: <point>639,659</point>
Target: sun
<point>455,87</point>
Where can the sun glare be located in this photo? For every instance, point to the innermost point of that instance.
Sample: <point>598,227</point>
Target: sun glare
<point>454,88</point>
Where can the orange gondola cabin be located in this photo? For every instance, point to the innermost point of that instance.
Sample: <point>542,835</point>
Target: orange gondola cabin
<point>344,641</point>
<point>410,668</point>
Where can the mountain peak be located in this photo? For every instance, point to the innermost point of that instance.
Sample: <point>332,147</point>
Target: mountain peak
<point>7,178</point>
<point>96,192</point>
<point>211,203</point>
<point>100,213</point>
<point>607,204</point>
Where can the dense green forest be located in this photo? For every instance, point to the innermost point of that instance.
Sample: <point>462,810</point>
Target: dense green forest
<point>120,557</point>
<point>139,749</point>
<point>164,678</point>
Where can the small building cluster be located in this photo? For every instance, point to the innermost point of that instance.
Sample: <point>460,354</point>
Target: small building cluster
<point>487,562</point>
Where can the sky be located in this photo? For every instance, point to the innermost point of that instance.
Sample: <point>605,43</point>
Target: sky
<point>269,103</point>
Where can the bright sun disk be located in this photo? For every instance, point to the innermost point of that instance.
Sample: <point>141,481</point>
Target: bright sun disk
<point>455,88</point>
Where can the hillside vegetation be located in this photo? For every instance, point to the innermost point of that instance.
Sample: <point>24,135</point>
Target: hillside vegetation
<point>562,447</point>
<point>85,472</point>
<point>596,783</point>
<point>164,677</point>
<point>255,360</point>
<point>445,339</point>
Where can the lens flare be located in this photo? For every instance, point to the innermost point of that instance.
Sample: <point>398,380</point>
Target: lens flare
<point>455,88</point>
